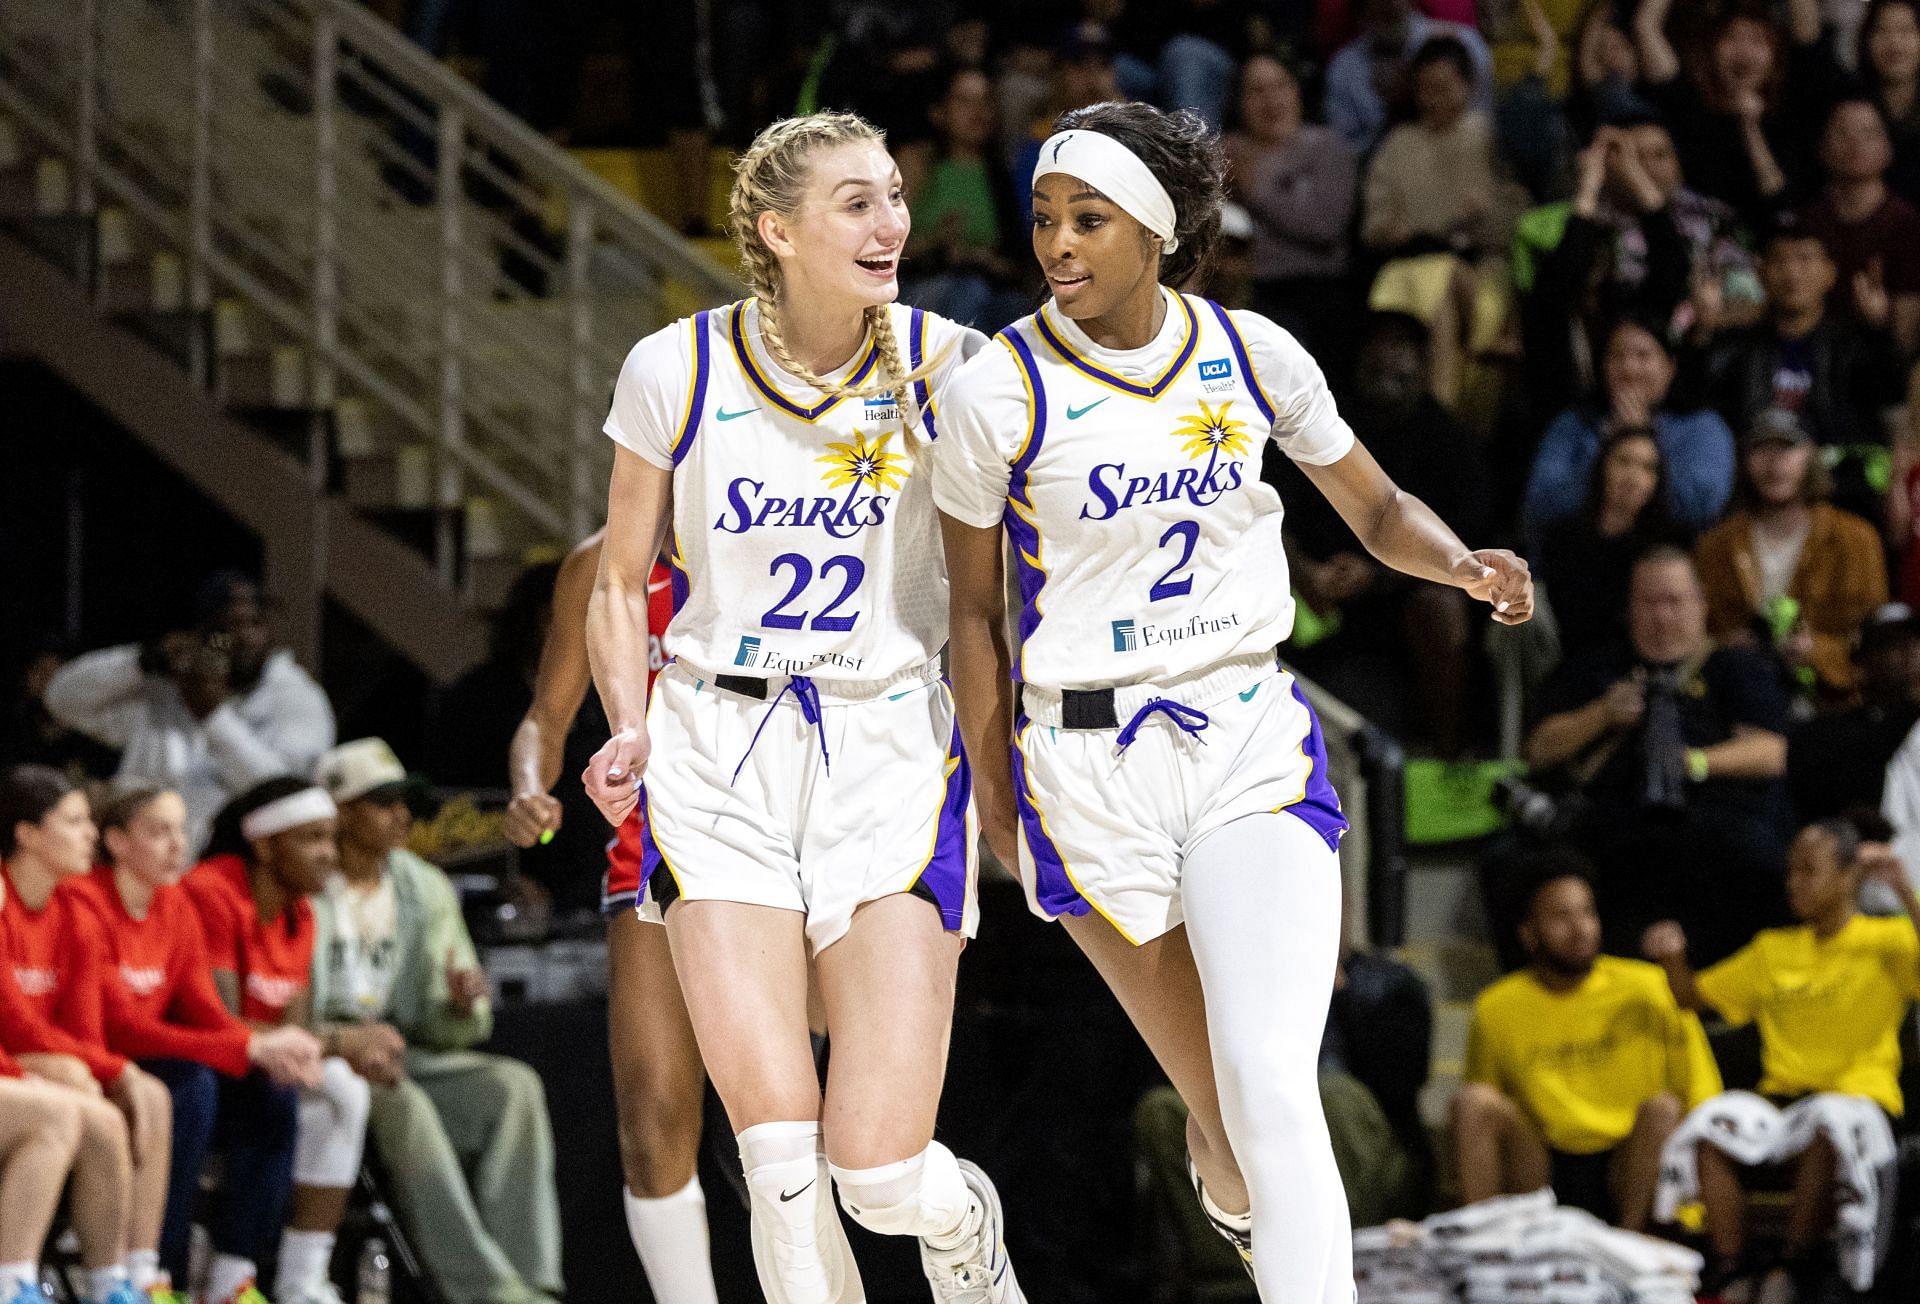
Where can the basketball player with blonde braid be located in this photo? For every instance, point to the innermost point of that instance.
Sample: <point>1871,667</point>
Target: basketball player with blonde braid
<point>804,788</point>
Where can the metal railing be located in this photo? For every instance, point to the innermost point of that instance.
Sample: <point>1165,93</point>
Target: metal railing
<point>461,286</point>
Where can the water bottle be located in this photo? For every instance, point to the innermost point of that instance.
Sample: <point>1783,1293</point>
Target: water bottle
<point>375,1280</point>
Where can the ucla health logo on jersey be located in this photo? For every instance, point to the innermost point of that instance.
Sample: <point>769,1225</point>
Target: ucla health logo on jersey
<point>1210,434</point>
<point>1216,374</point>
<point>867,470</point>
<point>881,409</point>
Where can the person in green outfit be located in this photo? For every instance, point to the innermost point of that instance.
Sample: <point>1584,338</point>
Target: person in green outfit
<point>465,1135</point>
<point>966,255</point>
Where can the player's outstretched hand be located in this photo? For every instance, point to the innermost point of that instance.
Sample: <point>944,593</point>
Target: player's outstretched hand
<point>612,777</point>
<point>1501,578</point>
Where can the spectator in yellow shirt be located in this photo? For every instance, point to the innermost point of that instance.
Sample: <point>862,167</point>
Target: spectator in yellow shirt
<point>1578,1067</point>
<point>1829,995</point>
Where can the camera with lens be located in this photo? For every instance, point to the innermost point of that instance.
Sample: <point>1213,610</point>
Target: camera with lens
<point>1546,816</point>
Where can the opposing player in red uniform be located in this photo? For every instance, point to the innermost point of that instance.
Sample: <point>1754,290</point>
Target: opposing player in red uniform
<point>232,1085</point>
<point>47,835</point>
<point>272,847</point>
<point>657,1077</point>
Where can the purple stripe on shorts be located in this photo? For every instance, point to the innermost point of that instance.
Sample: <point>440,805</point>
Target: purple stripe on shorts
<point>944,878</point>
<point>1320,807</point>
<point>1052,889</point>
<point>650,857</point>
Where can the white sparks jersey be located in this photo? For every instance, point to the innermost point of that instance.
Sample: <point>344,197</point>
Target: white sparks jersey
<point>804,539</point>
<point>1129,486</point>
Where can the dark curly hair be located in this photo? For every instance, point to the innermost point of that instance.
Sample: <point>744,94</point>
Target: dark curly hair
<point>226,838</point>
<point>1184,155</point>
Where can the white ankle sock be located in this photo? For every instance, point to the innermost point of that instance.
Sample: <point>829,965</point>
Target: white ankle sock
<point>670,1236</point>
<point>15,1275</point>
<point>143,1268</point>
<point>304,1257</point>
<point>227,1275</point>
<point>102,1283</point>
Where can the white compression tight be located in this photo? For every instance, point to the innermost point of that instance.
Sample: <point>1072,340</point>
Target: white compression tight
<point>1262,902</point>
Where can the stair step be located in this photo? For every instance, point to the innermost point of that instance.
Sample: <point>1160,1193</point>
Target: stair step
<point>273,378</point>
<point>398,478</point>
<point>52,187</point>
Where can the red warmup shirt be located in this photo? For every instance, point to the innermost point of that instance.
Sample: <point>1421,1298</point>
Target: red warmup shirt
<point>52,958</point>
<point>157,982</point>
<point>273,961</point>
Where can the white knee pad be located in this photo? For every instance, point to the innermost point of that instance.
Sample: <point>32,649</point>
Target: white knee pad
<point>333,1127</point>
<point>800,1248</point>
<point>921,1196</point>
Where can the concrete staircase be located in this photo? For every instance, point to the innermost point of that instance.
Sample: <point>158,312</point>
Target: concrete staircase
<point>363,266</point>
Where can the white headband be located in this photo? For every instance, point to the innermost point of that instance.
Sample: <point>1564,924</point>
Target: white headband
<point>1116,172</point>
<point>289,812</point>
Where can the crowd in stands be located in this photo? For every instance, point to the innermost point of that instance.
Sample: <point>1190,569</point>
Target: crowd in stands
<point>1633,285</point>
<point>286,991</point>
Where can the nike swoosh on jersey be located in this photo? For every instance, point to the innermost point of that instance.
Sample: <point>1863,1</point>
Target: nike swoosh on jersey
<point>794,1195</point>
<point>721,414</point>
<point>1248,695</point>
<point>1075,413</point>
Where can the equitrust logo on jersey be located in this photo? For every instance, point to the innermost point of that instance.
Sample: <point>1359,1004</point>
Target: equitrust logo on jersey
<point>749,653</point>
<point>1133,635</point>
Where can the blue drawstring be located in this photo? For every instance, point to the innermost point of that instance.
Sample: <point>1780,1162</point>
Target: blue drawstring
<point>809,698</point>
<point>1190,720</point>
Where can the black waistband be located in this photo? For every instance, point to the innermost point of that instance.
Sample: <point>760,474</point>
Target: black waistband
<point>1088,708</point>
<point>745,685</point>
<point>1092,708</point>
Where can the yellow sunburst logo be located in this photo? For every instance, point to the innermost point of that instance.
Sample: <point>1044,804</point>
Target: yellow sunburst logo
<point>1212,432</point>
<point>860,462</point>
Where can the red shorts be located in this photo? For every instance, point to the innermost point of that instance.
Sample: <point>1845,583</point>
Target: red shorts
<point>620,885</point>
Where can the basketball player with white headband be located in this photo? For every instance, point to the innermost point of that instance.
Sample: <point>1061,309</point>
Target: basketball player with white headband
<point>1164,787</point>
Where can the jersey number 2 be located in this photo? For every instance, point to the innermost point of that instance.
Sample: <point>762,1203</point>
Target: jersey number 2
<point>1188,533</point>
<point>853,568</point>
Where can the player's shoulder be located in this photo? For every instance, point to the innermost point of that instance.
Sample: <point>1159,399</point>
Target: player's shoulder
<point>1269,345</point>
<point>1499,998</point>
<point>87,891</point>
<point>994,371</point>
<point>667,357</point>
<point>215,883</point>
<point>1640,978</point>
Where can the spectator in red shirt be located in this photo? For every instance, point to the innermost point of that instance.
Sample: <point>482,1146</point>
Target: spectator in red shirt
<point>272,847</point>
<point>47,835</point>
<point>162,1008</point>
<point>1872,235</point>
<point>39,1136</point>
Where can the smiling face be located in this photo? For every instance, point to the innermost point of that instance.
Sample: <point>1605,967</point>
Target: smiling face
<point>1638,364</point>
<point>1097,258</point>
<point>841,243</point>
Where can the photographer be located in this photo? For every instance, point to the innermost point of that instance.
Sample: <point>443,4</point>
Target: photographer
<point>1673,750</point>
<point>208,711</point>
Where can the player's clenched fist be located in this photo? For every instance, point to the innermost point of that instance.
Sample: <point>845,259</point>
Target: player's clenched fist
<point>612,777</point>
